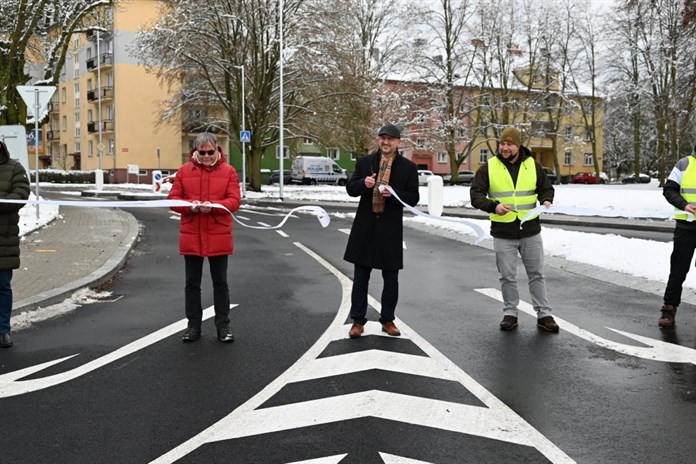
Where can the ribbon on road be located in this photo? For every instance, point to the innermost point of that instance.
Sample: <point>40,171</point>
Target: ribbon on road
<point>480,233</point>
<point>321,214</point>
<point>575,211</point>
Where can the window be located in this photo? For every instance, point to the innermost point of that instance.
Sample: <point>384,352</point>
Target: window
<point>112,146</point>
<point>442,157</point>
<point>77,124</point>
<point>485,100</point>
<point>90,118</point>
<point>569,132</point>
<point>568,158</point>
<point>333,153</point>
<point>352,156</point>
<point>308,141</point>
<point>462,108</point>
<point>90,148</point>
<point>110,79</point>
<point>462,132</point>
<point>77,146</point>
<point>286,150</point>
<point>420,144</point>
<point>89,84</point>
<point>76,43</point>
<point>77,95</point>
<point>63,95</point>
<point>587,107</point>
<point>588,134</point>
<point>588,159</point>
<point>420,117</point>
<point>64,123</point>
<point>76,65</point>
<point>483,156</point>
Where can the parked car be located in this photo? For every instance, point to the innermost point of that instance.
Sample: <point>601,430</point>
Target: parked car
<point>586,178</point>
<point>631,179</point>
<point>465,177</point>
<point>551,175</point>
<point>275,177</point>
<point>423,176</point>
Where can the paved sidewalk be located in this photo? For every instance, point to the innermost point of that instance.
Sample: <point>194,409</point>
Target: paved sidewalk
<point>82,247</point>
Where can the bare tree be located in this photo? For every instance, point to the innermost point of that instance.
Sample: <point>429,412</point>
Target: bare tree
<point>42,30</point>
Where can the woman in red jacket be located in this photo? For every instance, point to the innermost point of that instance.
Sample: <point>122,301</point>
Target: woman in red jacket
<point>206,232</point>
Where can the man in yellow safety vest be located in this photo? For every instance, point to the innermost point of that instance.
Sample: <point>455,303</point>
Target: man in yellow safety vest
<point>507,187</point>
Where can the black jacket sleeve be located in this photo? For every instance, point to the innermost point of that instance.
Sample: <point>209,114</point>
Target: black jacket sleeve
<point>478,192</point>
<point>672,193</point>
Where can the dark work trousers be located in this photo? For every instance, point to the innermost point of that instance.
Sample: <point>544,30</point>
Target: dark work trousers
<point>390,294</point>
<point>680,262</point>
<point>5,300</point>
<point>221,292</point>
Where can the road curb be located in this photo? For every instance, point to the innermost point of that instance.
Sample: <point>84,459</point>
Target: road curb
<point>96,278</point>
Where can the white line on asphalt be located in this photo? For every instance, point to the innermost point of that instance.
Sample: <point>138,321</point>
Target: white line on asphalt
<point>656,350</point>
<point>496,420</point>
<point>282,234</point>
<point>11,386</point>
<point>327,460</point>
<point>263,224</point>
<point>392,459</point>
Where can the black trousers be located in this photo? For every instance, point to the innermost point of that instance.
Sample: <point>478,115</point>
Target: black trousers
<point>221,292</point>
<point>390,294</point>
<point>680,263</point>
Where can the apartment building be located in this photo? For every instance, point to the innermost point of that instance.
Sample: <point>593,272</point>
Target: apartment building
<point>106,112</point>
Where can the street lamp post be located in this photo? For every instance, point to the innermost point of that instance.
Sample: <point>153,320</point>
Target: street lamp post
<point>241,67</point>
<point>280,109</point>
<point>99,175</point>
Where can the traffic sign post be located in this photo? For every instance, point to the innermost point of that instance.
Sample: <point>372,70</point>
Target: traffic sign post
<point>36,97</point>
<point>244,137</point>
<point>157,181</point>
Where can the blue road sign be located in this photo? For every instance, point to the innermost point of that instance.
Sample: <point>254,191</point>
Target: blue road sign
<point>245,136</point>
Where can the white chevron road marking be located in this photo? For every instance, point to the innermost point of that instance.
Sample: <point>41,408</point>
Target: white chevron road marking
<point>656,350</point>
<point>496,420</point>
<point>392,459</point>
<point>327,460</point>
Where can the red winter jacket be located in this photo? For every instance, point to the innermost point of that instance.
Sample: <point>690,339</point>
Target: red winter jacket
<point>210,234</point>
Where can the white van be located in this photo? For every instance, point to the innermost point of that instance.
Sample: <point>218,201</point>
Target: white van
<point>317,170</point>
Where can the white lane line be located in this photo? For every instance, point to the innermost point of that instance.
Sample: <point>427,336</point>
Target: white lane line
<point>263,224</point>
<point>282,234</point>
<point>345,231</point>
<point>327,460</point>
<point>656,350</point>
<point>11,386</point>
<point>243,217</point>
<point>496,420</point>
<point>175,217</point>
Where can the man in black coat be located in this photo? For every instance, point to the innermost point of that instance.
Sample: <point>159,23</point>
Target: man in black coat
<point>376,236</point>
<point>14,185</point>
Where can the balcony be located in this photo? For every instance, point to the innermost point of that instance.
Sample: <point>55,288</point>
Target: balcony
<point>106,61</point>
<point>52,107</point>
<point>193,126</point>
<point>107,126</point>
<point>107,93</point>
<point>53,136</point>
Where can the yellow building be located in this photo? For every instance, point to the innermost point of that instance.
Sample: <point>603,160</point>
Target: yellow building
<point>106,112</point>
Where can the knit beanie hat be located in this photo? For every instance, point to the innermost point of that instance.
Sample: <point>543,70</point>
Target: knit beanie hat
<point>511,135</point>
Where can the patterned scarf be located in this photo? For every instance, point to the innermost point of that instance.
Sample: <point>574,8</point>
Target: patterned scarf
<point>382,179</point>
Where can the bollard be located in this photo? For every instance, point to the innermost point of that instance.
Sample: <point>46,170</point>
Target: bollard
<point>435,195</point>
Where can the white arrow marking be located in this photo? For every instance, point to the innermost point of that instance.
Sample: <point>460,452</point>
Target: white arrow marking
<point>657,350</point>
<point>391,459</point>
<point>10,386</point>
<point>327,460</point>
<point>496,420</point>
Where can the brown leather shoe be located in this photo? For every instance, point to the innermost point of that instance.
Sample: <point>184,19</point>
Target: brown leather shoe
<point>548,324</point>
<point>356,330</point>
<point>669,312</point>
<point>391,329</point>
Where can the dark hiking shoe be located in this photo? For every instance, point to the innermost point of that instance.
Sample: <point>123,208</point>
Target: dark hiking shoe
<point>668,314</point>
<point>224,335</point>
<point>548,324</point>
<point>6,340</point>
<point>508,323</point>
<point>191,334</point>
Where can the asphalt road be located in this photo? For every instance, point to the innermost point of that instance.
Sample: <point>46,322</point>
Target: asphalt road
<point>293,388</point>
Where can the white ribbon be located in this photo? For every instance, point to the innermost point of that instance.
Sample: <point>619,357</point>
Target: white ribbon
<point>480,233</point>
<point>321,214</point>
<point>575,211</point>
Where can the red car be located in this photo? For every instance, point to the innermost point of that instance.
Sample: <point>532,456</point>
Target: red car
<point>586,178</point>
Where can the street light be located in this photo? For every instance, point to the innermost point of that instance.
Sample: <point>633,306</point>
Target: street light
<point>241,67</point>
<point>99,175</point>
<point>280,110</point>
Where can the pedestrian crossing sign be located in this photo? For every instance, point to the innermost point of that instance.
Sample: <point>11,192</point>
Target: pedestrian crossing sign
<point>245,136</point>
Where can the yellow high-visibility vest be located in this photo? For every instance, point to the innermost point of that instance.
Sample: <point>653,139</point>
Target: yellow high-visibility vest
<point>688,188</point>
<point>522,197</point>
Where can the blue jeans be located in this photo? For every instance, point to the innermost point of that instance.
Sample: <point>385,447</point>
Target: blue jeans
<point>5,300</point>
<point>531,249</point>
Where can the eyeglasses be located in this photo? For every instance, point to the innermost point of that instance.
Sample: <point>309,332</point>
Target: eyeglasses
<point>206,152</point>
